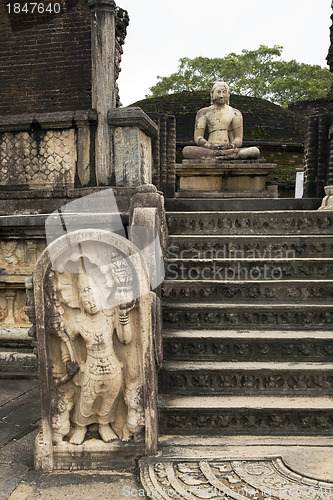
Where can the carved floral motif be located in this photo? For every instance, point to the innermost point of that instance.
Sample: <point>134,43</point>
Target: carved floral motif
<point>233,422</point>
<point>239,382</point>
<point>321,317</point>
<point>228,349</point>
<point>260,291</point>
<point>302,223</point>
<point>228,479</point>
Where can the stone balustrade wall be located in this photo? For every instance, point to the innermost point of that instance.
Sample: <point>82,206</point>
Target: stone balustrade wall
<point>47,151</point>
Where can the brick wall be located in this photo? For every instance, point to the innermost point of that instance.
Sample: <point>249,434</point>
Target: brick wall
<point>45,59</point>
<point>310,108</point>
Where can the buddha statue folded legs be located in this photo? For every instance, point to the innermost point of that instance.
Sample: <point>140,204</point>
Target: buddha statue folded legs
<point>200,153</point>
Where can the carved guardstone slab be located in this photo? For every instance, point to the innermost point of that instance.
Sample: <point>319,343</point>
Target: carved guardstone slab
<point>96,362</point>
<point>225,179</point>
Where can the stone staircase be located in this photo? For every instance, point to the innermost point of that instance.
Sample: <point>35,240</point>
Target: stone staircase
<point>17,358</point>
<point>248,317</point>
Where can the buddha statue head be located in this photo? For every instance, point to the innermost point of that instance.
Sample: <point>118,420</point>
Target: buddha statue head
<point>220,93</point>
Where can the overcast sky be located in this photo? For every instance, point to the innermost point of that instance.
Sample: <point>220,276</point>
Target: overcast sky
<point>162,31</point>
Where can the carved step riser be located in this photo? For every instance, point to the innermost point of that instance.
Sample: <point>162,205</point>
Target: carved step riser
<point>251,350</point>
<point>243,270</point>
<point>246,204</point>
<point>246,382</point>
<point>231,422</point>
<point>264,223</point>
<point>242,317</point>
<point>14,361</point>
<point>278,291</point>
<point>244,247</point>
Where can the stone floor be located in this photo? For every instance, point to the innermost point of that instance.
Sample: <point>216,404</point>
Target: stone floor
<point>231,468</point>
<point>19,418</point>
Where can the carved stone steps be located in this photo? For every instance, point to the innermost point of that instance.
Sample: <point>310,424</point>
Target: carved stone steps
<point>270,291</point>
<point>232,378</point>
<point>246,204</point>
<point>248,345</point>
<point>254,415</point>
<point>247,309</point>
<point>244,247</point>
<point>15,336</point>
<point>244,270</point>
<point>14,362</point>
<point>33,225</point>
<point>251,315</point>
<point>247,223</point>
<point>17,358</point>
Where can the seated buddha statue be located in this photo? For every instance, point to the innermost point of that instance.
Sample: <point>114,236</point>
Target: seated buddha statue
<point>225,130</point>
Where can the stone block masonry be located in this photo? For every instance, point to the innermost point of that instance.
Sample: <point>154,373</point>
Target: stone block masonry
<point>50,150</point>
<point>54,162</point>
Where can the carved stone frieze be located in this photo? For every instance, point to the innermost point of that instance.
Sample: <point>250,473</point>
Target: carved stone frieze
<point>300,222</point>
<point>16,255</point>
<point>212,349</point>
<point>14,363</point>
<point>244,317</point>
<point>261,291</point>
<point>266,247</point>
<point>38,158</point>
<point>246,421</point>
<point>237,381</point>
<point>270,478</point>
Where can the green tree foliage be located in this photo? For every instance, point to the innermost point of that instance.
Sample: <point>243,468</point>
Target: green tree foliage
<point>255,73</point>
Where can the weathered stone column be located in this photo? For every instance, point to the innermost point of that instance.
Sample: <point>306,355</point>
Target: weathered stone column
<point>132,151</point>
<point>103,40</point>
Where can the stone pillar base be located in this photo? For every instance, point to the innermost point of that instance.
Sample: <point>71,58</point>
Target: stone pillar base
<point>225,179</point>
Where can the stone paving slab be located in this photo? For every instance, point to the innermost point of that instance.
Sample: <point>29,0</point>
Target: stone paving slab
<point>10,477</point>
<point>77,486</point>
<point>19,416</point>
<point>11,389</point>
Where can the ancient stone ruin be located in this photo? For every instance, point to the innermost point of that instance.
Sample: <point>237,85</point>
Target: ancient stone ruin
<point>246,301</point>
